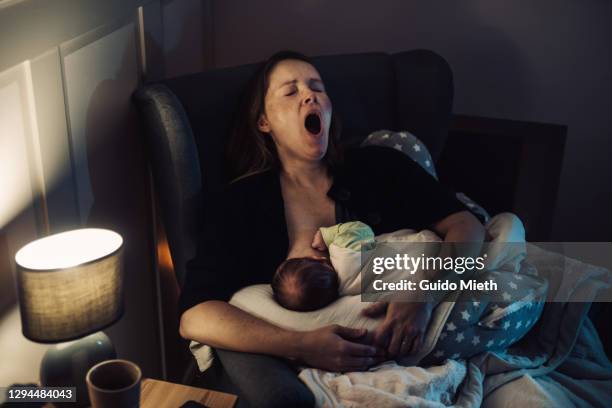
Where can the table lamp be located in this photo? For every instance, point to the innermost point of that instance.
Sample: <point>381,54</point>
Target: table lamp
<point>70,287</point>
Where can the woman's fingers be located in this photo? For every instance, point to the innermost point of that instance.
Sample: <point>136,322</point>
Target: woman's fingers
<point>396,342</point>
<point>338,348</point>
<point>375,309</point>
<point>382,335</point>
<point>406,346</point>
<point>359,363</point>
<point>418,343</point>
<point>356,349</point>
<point>350,334</point>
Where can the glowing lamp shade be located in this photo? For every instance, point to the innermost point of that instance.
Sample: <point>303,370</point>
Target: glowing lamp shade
<point>70,284</point>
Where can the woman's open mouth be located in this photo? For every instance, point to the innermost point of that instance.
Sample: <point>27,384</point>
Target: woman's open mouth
<point>313,123</point>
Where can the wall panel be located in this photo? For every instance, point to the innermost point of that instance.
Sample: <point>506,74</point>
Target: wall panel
<point>59,183</point>
<point>20,220</point>
<point>67,128</point>
<point>101,70</point>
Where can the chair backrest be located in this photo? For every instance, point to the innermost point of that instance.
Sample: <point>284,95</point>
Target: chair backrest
<point>187,119</point>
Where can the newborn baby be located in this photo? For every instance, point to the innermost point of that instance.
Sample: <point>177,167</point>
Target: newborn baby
<point>471,327</point>
<point>310,283</point>
<point>305,284</point>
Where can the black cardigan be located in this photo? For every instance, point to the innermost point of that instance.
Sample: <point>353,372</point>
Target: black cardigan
<point>245,235</point>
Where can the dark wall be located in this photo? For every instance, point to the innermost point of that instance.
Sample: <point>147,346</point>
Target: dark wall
<point>545,61</point>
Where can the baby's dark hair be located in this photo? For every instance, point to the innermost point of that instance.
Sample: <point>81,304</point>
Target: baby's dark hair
<point>305,284</point>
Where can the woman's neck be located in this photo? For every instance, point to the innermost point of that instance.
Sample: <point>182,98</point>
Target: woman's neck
<point>304,174</point>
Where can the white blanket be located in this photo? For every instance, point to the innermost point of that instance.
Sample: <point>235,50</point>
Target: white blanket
<point>388,385</point>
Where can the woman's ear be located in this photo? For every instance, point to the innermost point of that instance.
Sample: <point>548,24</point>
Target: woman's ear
<point>263,125</point>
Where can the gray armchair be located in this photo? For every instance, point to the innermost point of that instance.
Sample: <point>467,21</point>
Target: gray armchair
<point>186,120</point>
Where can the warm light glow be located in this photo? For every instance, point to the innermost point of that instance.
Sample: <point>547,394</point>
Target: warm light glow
<point>164,258</point>
<point>21,158</point>
<point>68,249</point>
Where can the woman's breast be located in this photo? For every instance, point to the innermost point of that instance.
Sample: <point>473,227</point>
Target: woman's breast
<point>304,218</point>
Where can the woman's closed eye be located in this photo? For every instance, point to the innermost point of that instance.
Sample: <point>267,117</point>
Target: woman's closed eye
<point>294,91</point>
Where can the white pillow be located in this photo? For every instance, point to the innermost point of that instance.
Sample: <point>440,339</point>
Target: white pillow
<point>346,311</point>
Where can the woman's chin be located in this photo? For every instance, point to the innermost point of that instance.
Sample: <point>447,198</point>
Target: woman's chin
<point>318,144</point>
<point>318,152</point>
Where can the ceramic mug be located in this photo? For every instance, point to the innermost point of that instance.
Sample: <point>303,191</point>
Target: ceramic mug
<point>114,384</point>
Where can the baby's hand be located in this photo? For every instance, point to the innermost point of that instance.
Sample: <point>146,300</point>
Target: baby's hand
<point>318,243</point>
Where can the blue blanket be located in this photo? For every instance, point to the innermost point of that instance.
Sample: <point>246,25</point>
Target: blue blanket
<point>561,362</point>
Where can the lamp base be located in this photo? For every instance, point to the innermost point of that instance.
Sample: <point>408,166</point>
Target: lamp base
<point>66,364</point>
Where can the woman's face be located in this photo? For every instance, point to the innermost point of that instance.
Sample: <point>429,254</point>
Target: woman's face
<point>297,111</point>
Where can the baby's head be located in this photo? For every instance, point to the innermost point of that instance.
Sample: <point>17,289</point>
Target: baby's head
<point>305,284</point>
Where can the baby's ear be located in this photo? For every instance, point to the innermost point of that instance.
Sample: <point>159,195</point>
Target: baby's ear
<point>318,242</point>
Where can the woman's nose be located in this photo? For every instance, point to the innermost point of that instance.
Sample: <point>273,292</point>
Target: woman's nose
<point>310,98</point>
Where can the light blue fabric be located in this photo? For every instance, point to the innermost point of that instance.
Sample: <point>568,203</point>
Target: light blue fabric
<point>466,334</point>
<point>562,350</point>
<point>406,143</point>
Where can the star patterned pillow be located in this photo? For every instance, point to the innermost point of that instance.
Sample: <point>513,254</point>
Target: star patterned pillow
<point>411,146</point>
<point>406,143</point>
<point>476,325</point>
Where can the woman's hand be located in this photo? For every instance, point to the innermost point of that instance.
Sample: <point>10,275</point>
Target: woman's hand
<point>337,348</point>
<point>403,330</point>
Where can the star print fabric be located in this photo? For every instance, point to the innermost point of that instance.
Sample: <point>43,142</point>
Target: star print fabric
<point>477,325</point>
<point>406,143</point>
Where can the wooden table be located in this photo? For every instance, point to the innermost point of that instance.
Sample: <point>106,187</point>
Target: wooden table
<point>162,394</point>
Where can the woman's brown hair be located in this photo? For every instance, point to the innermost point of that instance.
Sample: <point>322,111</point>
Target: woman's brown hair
<point>248,150</point>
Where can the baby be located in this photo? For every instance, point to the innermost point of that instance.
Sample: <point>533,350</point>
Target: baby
<point>305,284</point>
<point>310,283</point>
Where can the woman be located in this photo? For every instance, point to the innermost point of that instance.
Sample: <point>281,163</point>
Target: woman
<point>289,179</point>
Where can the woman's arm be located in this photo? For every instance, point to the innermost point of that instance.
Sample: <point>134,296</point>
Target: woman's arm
<point>335,348</point>
<point>403,330</point>
<point>462,227</point>
<point>219,324</point>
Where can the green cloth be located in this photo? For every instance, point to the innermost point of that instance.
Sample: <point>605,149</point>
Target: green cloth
<point>351,235</point>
